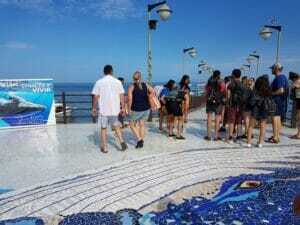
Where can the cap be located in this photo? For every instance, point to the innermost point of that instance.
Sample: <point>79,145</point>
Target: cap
<point>276,65</point>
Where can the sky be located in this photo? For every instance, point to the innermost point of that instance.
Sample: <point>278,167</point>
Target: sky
<point>71,40</point>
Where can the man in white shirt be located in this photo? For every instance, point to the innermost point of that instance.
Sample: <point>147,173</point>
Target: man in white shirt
<point>108,93</point>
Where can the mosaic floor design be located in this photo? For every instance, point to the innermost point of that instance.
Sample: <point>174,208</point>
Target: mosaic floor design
<point>245,199</point>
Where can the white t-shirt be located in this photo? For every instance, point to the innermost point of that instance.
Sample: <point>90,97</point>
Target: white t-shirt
<point>109,89</point>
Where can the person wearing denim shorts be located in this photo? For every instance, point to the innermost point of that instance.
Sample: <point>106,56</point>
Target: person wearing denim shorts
<point>108,95</point>
<point>139,107</point>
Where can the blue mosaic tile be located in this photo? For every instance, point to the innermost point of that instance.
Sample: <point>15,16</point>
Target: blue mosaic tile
<point>23,221</point>
<point>243,200</point>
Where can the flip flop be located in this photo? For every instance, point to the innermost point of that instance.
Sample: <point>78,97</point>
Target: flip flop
<point>273,141</point>
<point>103,150</point>
<point>295,137</point>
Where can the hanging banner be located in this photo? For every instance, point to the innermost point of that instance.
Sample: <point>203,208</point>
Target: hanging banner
<point>26,103</point>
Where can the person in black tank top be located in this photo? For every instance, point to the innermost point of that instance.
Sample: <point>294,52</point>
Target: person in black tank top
<point>139,107</point>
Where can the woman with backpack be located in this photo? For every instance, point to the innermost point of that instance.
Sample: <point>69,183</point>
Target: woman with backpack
<point>215,98</point>
<point>174,105</point>
<point>246,108</point>
<point>260,111</point>
<point>162,98</point>
<point>139,107</point>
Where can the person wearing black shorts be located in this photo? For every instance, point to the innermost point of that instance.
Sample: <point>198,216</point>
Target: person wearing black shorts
<point>215,93</point>
<point>174,105</point>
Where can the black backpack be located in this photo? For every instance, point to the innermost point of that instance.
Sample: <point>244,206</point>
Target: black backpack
<point>238,94</point>
<point>269,106</point>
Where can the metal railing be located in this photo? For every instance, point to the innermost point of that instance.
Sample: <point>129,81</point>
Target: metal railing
<point>64,99</point>
<point>67,101</point>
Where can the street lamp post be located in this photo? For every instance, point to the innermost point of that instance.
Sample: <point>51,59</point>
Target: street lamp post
<point>192,52</point>
<point>257,57</point>
<point>266,33</point>
<point>164,13</point>
<point>247,66</point>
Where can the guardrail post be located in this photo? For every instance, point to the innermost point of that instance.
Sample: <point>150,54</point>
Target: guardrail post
<point>63,96</point>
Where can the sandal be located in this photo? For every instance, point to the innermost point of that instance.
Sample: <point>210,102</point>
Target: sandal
<point>207,138</point>
<point>172,135</point>
<point>180,138</point>
<point>295,137</point>
<point>273,141</point>
<point>103,150</point>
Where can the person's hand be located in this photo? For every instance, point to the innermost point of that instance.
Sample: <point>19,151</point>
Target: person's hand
<point>94,113</point>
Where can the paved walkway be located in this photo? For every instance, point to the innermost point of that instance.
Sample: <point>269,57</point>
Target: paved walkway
<point>60,171</point>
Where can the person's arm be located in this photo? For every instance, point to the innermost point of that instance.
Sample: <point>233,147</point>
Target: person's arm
<point>95,104</point>
<point>150,90</point>
<point>130,89</point>
<point>122,99</point>
<point>279,91</point>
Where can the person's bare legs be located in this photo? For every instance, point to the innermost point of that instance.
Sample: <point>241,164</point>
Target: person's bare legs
<point>171,124</point>
<point>262,131</point>
<point>135,130</point>
<point>186,110</point>
<point>142,129</point>
<point>179,126</point>
<point>118,133</point>
<point>103,138</point>
<point>231,129</point>
<point>279,128</point>
<point>274,126</point>
<point>209,124</point>
<point>250,130</point>
<point>161,119</point>
<point>217,125</point>
<point>247,121</point>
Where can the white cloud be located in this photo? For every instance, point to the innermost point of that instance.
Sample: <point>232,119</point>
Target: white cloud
<point>107,9</point>
<point>16,45</point>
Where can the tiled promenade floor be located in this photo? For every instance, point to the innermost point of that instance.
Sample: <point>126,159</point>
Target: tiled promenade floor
<point>59,171</point>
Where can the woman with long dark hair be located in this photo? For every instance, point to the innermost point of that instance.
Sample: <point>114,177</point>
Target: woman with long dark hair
<point>162,97</point>
<point>184,86</point>
<point>260,112</point>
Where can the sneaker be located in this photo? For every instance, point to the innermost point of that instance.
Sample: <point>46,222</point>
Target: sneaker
<point>180,138</point>
<point>259,145</point>
<point>123,146</point>
<point>230,140</point>
<point>217,139</point>
<point>244,136</point>
<point>248,145</point>
<point>140,144</point>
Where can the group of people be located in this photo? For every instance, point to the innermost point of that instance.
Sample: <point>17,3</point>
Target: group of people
<point>238,103</point>
<point>242,103</point>
<point>111,105</point>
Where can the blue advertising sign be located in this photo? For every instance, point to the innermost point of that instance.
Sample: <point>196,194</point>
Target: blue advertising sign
<point>26,103</point>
